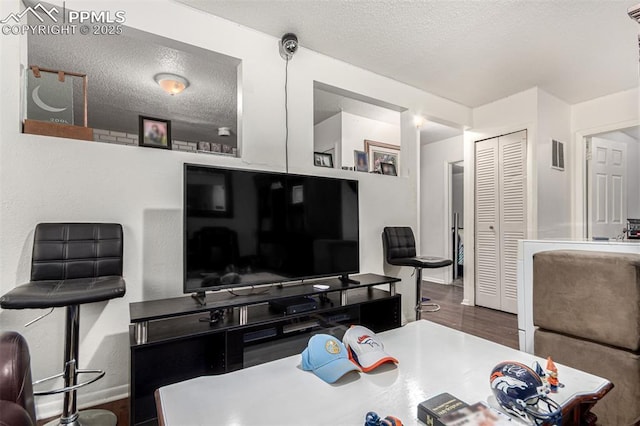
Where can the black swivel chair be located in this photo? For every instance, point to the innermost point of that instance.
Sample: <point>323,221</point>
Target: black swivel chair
<point>400,250</point>
<point>72,264</point>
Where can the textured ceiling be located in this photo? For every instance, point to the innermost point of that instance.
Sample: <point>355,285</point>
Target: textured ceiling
<point>121,83</point>
<point>472,52</point>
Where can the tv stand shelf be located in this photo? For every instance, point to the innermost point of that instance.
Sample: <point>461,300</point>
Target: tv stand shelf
<point>171,340</point>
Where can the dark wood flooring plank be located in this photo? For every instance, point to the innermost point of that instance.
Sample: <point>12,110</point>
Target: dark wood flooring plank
<point>120,408</point>
<point>497,326</point>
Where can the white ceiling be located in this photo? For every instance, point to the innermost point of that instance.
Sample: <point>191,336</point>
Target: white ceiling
<point>471,52</point>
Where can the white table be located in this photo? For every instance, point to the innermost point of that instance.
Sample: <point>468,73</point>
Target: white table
<point>432,359</point>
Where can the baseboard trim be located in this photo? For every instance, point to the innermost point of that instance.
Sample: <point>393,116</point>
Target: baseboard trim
<point>53,407</point>
<point>466,302</point>
<point>435,280</point>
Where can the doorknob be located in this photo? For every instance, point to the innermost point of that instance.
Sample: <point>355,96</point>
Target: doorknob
<point>491,227</point>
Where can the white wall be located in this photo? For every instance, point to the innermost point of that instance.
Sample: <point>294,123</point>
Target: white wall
<point>554,186</point>
<point>53,179</point>
<point>327,135</point>
<point>355,129</point>
<point>434,187</point>
<point>348,132</point>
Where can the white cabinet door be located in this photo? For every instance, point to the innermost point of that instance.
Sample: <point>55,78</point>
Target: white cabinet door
<point>487,223</point>
<point>500,202</point>
<point>608,183</point>
<point>513,208</point>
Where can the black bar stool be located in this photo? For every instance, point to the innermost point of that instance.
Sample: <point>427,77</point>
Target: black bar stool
<point>72,264</point>
<point>400,250</point>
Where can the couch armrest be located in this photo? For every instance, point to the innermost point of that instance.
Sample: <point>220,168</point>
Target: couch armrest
<point>15,375</point>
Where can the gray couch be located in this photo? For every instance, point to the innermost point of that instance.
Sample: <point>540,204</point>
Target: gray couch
<point>586,306</point>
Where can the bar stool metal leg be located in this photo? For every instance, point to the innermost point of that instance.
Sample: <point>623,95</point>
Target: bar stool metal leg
<point>422,307</point>
<point>70,415</point>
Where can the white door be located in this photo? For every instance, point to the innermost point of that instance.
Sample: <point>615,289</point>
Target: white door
<point>608,183</point>
<point>513,208</point>
<point>500,218</point>
<point>487,224</point>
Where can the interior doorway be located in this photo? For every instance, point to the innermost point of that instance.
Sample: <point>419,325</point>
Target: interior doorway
<point>456,216</point>
<point>440,147</point>
<point>612,190</point>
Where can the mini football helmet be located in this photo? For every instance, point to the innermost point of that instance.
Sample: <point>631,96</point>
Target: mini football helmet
<point>520,391</point>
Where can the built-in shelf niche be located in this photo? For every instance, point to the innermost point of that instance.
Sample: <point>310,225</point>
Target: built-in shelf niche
<point>359,132</point>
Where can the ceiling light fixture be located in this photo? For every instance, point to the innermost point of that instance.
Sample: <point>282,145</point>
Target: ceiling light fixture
<point>171,83</point>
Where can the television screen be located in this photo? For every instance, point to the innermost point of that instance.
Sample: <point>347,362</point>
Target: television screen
<point>245,227</point>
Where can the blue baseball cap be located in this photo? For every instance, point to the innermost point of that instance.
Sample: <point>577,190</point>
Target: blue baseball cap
<point>327,357</point>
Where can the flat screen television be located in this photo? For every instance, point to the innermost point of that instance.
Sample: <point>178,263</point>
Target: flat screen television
<point>247,227</point>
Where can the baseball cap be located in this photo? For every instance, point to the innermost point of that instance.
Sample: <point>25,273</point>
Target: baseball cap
<point>365,349</point>
<point>327,357</point>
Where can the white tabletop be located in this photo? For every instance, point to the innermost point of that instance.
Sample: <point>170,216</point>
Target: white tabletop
<point>432,359</point>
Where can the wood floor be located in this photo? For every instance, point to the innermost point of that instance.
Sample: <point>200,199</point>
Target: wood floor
<point>499,327</point>
<point>120,408</point>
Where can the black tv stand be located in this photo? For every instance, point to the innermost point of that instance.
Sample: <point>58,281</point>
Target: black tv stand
<point>200,297</point>
<point>344,279</point>
<point>175,339</point>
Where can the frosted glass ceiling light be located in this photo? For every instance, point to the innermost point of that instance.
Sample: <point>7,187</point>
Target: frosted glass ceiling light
<point>171,83</point>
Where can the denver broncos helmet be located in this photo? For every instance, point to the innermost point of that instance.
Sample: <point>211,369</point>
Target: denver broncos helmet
<point>520,391</point>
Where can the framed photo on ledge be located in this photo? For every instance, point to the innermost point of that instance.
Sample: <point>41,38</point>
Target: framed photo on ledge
<point>322,159</point>
<point>154,132</point>
<point>361,161</point>
<point>388,169</point>
<point>380,152</point>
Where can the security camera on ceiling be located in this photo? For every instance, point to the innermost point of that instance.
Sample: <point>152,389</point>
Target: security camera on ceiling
<point>288,46</point>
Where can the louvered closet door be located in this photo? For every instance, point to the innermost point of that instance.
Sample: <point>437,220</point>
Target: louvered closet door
<point>487,223</point>
<point>500,218</point>
<point>513,210</point>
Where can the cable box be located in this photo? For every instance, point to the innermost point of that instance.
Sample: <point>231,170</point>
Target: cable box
<point>294,305</point>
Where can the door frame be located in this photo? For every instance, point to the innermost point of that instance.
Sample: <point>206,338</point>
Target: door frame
<point>580,178</point>
<point>448,214</point>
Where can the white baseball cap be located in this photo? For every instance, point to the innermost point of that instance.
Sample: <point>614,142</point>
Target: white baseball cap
<point>365,348</point>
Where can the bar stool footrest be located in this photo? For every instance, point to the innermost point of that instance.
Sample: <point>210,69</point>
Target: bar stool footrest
<point>100,375</point>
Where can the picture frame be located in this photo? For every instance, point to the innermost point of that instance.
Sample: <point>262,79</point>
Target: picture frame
<point>154,132</point>
<point>388,169</point>
<point>322,159</point>
<point>360,161</point>
<point>380,152</point>
<point>204,146</point>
